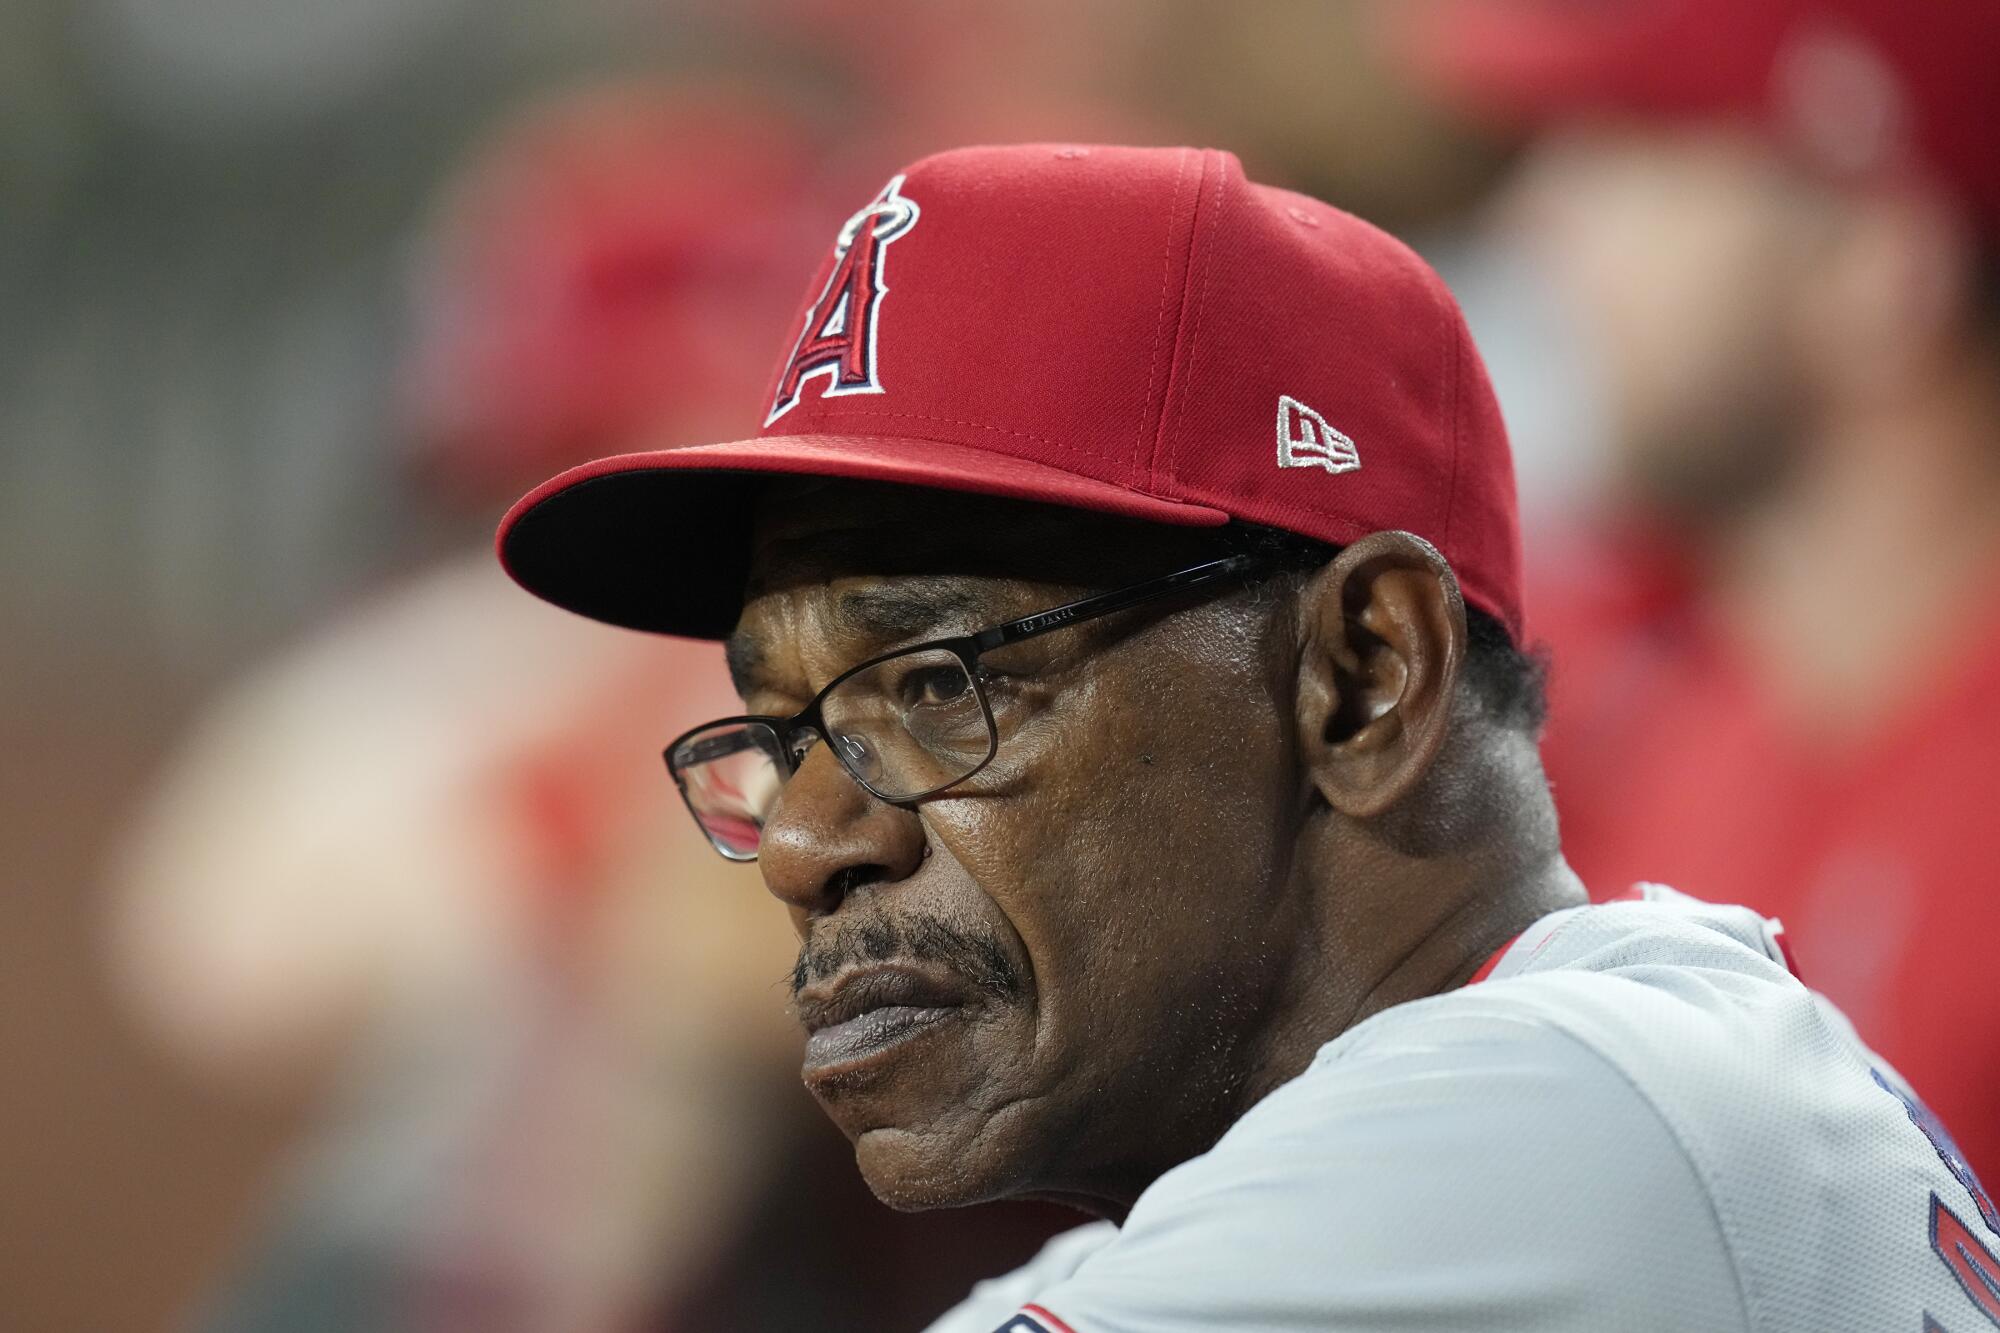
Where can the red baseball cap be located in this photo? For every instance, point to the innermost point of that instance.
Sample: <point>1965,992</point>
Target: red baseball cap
<point>1855,89</point>
<point>1135,331</point>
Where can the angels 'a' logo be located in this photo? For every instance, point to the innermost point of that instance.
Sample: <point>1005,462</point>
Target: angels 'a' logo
<point>838,340</point>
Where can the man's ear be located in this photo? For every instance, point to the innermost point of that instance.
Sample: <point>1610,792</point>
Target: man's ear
<point>1382,639</point>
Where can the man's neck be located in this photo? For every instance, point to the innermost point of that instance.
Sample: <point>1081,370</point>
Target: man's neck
<point>1481,925</point>
<point>1482,903</point>
<point>1362,953</point>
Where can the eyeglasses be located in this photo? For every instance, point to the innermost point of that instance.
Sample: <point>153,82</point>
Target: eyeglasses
<point>905,725</point>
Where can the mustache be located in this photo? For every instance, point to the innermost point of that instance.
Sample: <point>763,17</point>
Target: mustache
<point>926,939</point>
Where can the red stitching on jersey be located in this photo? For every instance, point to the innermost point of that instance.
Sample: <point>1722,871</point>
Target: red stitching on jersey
<point>1042,1314</point>
<point>1486,968</point>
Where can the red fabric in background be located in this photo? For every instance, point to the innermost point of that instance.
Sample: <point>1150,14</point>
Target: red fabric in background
<point>1854,89</point>
<point>1882,858</point>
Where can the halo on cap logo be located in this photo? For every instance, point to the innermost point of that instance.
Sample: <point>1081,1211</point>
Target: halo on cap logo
<point>838,336</point>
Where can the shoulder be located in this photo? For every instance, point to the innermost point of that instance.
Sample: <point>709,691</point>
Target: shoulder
<point>993,1301</point>
<point>1471,1159</point>
<point>1693,1005</point>
<point>1640,1120</point>
<point>1534,1151</point>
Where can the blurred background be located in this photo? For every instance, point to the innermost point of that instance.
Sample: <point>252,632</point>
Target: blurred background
<point>358,969</point>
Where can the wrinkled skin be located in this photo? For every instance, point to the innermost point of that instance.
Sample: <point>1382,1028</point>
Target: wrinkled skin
<point>1132,910</point>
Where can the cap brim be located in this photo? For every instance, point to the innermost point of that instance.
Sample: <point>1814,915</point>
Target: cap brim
<point>661,541</point>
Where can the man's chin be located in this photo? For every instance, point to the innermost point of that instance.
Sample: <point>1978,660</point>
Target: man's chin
<point>914,1111</point>
<point>915,1171</point>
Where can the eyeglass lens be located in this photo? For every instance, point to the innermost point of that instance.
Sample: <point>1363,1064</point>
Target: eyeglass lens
<point>904,727</point>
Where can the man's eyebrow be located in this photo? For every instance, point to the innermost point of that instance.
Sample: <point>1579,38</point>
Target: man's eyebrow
<point>911,609</point>
<point>908,609</point>
<point>745,660</point>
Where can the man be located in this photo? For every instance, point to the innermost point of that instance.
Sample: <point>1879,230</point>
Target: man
<point>1779,225</point>
<point>1123,591</point>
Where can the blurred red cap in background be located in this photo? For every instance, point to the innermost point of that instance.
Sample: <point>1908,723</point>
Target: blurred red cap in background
<point>1856,89</point>
<point>614,264</point>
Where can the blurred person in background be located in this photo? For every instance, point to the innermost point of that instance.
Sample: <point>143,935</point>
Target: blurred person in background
<point>422,848</point>
<point>1777,642</point>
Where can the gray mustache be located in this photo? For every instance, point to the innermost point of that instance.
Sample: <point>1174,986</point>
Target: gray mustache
<point>978,959</point>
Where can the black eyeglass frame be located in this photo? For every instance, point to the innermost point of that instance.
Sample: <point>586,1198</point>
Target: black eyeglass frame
<point>968,648</point>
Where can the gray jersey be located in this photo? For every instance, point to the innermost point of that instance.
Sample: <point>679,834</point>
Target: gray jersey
<point>1637,1120</point>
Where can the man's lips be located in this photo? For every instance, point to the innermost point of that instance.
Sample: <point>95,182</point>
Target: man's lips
<point>863,1012</point>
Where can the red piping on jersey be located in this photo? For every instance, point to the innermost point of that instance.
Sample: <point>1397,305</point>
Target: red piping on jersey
<point>1784,944</point>
<point>1042,1314</point>
<point>1635,894</point>
<point>1486,968</point>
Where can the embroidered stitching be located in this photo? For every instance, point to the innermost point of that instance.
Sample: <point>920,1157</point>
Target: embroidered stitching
<point>840,343</point>
<point>1197,252</point>
<point>1160,323</point>
<point>1316,444</point>
<point>1457,422</point>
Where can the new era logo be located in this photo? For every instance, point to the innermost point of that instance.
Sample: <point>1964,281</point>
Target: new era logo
<point>1305,440</point>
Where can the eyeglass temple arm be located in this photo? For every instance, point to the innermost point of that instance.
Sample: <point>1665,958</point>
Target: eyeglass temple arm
<point>1104,604</point>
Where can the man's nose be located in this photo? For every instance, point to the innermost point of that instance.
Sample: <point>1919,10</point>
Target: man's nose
<point>827,835</point>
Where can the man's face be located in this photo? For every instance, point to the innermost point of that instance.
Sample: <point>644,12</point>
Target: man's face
<point>1681,254</point>
<point>1046,980</point>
